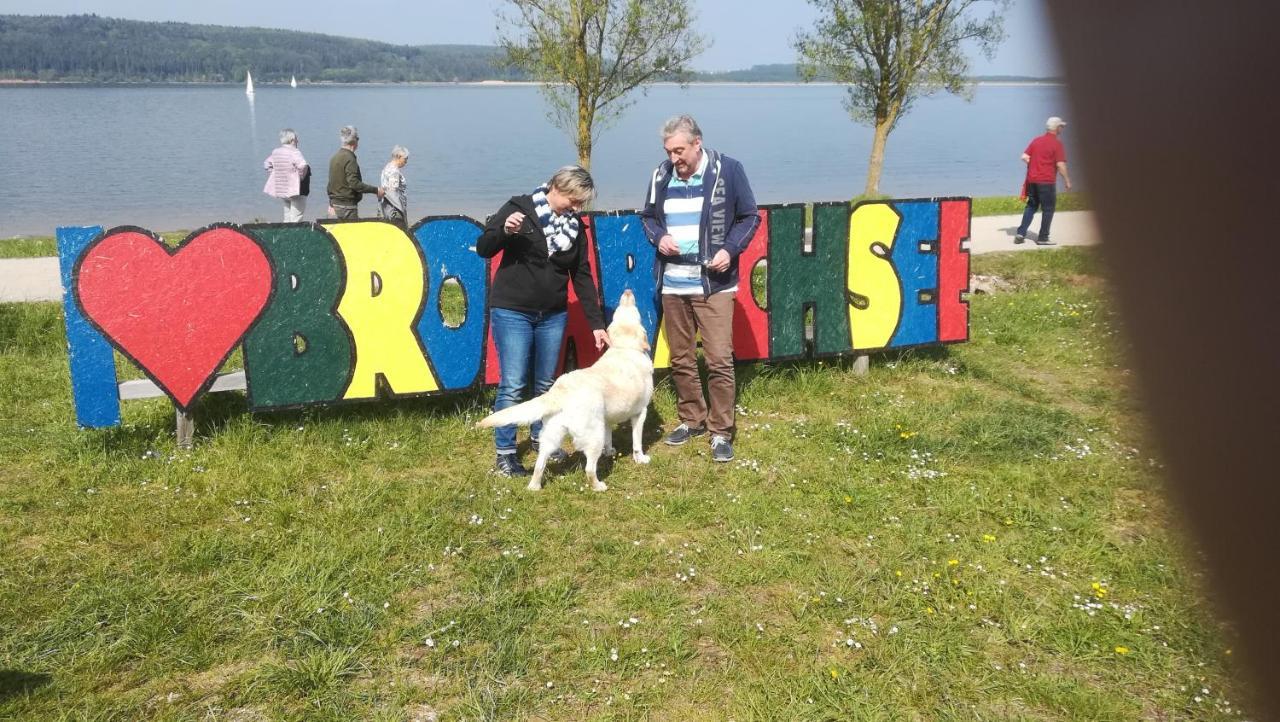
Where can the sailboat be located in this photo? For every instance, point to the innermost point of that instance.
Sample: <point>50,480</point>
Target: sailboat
<point>293,81</point>
<point>248,83</point>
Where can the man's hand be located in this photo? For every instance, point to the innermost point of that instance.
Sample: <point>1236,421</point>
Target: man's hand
<point>332,213</point>
<point>381,193</point>
<point>513,223</point>
<point>720,262</point>
<point>602,339</point>
<point>1068,184</point>
<point>667,246</point>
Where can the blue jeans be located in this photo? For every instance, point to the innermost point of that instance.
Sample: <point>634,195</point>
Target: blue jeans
<point>525,342</point>
<point>1042,197</point>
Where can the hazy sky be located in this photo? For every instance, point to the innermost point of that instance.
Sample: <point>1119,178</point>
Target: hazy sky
<point>743,33</point>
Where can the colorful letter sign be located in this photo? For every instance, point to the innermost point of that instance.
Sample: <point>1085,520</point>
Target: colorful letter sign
<point>343,311</point>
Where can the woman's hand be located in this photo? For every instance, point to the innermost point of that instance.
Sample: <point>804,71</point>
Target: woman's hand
<point>513,223</point>
<point>602,339</point>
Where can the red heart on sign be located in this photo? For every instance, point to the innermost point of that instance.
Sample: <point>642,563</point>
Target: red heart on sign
<point>177,314</point>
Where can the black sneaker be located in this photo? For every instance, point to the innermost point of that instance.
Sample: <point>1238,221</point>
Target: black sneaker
<point>1045,242</point>
<point>681,435</point>
<point>1019,238</point>
<point>509,465</point>
<point>554,457</point>
<point>721,449</point>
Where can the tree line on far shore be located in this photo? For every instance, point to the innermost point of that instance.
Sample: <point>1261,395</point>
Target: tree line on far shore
<point>96,49</point>
<point>90,48</point>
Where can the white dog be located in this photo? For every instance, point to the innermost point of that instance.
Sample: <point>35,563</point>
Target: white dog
<point>587,403</point>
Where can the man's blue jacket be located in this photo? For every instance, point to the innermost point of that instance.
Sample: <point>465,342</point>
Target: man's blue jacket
<point>729,218</point>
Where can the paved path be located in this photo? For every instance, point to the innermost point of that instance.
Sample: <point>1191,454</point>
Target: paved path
<point>30,279</point>
<point>37,279</point>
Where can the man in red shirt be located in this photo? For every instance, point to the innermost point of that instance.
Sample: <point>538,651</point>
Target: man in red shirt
<point>1045,158</point>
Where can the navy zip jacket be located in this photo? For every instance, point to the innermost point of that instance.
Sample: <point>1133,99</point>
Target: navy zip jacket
<point>530,280</point>
<point>729,218</point>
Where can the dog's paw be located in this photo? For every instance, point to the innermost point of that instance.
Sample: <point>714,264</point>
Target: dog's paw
<point>599,486</point>
<point>640,457</point>
<point>534,486</point>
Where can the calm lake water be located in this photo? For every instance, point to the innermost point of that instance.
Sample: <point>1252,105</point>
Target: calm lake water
<point>183,156</point>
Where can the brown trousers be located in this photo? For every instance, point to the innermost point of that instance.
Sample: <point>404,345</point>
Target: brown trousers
<point>712,317</point>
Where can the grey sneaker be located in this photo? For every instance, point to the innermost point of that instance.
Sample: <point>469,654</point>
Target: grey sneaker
<point>681,435</point>
<point>721,449</point>
<point>509,465</point>
<point>554,457</point>
<point>1045,242</point>
<point>1019,238</point>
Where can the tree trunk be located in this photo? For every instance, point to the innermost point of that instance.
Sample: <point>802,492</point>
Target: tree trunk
<point>876,163</point>
<point>585,121</point>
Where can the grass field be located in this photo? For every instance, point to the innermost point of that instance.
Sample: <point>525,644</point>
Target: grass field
<point>37,246</point>
<point>976,532</point>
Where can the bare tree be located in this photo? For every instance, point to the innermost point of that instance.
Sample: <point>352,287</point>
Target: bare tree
<point>590,54</point>
<point>889,52</point>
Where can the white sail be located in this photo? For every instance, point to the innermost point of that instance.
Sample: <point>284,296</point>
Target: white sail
<point>293,81</point>
<point>248,83</point>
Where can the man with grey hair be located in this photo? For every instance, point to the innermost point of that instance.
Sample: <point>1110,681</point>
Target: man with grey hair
<point>701,214</point>
<point>1046,159</point>
<point>346,187</point>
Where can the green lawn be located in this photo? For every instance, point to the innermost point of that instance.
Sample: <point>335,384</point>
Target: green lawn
<point>1012,205</point>
<point>976,532</point>
<point>36,246</point>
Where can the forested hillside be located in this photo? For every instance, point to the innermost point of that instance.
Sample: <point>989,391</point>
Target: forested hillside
<point>92,48</point>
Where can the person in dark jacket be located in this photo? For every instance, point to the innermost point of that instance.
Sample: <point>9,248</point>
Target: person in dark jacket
<point>346,187</point>
<point>543,250</point>
<point>701,214</point>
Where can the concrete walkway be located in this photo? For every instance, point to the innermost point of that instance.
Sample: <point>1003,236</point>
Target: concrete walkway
<point>37,279</point>
<point>30,279</point>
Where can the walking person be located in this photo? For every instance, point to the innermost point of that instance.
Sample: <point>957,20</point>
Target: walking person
<point>394,202</point>
<point>538,235</point>
<point>1046,158</point>
<point>701,214</point>
<point>288,176</point>
<point>346,187</point>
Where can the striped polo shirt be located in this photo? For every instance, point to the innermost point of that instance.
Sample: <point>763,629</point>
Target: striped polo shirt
<point>683,210</point>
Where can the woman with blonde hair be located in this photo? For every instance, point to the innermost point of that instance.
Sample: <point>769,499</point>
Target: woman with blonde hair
<point>543,251</point>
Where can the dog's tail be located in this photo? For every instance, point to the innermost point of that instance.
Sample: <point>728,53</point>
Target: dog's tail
<point>524,414</point>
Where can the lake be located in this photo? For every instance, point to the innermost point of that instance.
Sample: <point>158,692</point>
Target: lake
<point>174,157</point>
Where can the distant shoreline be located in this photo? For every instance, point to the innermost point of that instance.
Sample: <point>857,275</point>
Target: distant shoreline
<point>12,82</point>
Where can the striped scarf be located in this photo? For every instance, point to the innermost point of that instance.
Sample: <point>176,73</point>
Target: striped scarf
<point>560,230</point>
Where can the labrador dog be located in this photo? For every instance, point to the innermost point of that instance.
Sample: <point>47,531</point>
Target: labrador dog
<point>589,402</point>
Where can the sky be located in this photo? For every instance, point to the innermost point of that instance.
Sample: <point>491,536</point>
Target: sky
<point>742,33</point>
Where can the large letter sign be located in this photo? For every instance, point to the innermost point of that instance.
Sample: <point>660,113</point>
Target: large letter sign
<point>336,312</point>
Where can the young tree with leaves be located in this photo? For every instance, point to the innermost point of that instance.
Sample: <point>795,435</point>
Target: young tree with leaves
<point>590,54</point>
<point>889,52</point>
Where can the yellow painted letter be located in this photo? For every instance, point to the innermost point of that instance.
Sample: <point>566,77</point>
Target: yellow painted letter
<point>384,292</point>
<point>875,294</point>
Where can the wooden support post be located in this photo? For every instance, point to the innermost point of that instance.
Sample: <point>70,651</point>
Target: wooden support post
<point>861,365</point>
<point>186,429</point>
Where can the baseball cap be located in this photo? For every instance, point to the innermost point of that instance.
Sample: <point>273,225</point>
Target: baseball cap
<point>1054,122</point>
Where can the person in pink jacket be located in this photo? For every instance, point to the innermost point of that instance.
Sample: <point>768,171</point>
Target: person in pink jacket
<point>288,176</point>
